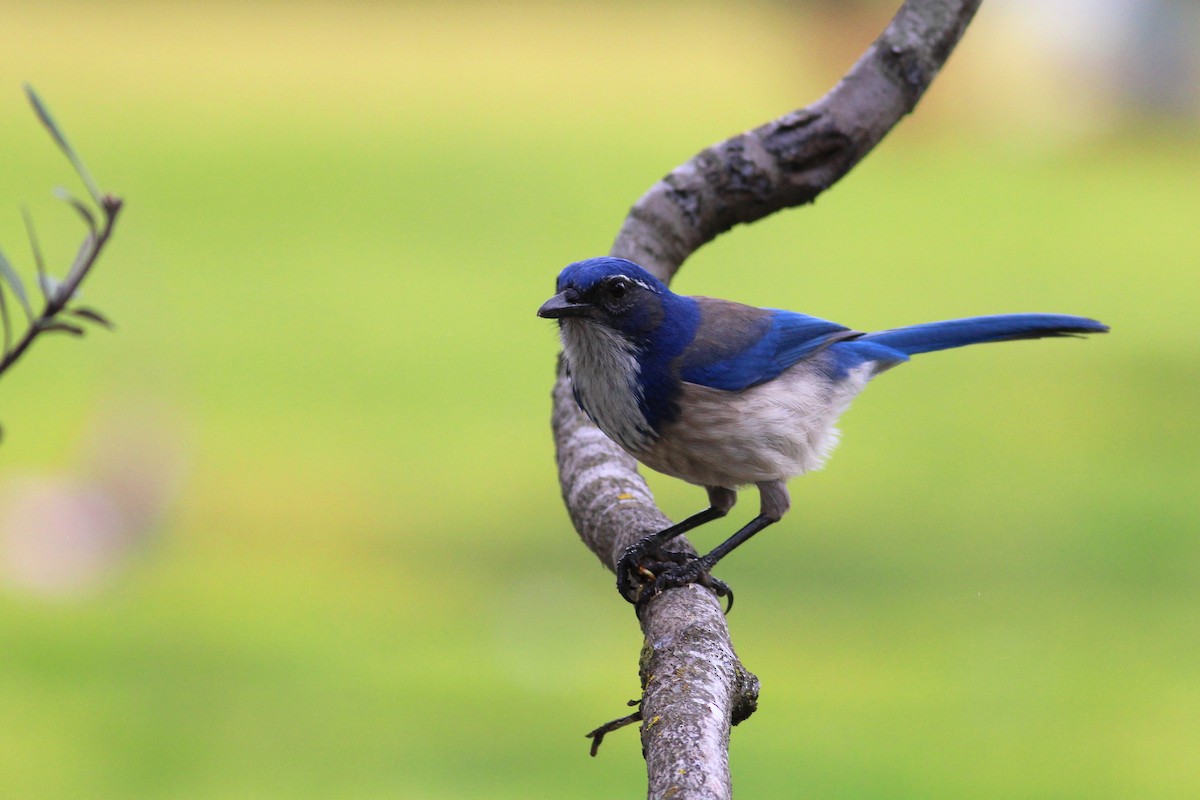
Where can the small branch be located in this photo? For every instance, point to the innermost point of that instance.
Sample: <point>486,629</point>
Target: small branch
<point>57,298</point>
<point>694,686</point>
<point>58,295</point>
<point>597,736</point>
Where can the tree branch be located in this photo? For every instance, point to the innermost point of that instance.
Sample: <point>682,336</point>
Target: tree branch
<point>694,685</point>
<point>791,160</point>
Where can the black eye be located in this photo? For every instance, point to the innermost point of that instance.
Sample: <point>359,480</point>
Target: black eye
<point>617,288</point>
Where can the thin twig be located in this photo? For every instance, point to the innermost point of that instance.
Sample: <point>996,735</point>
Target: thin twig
<point>56,300</point>
<point>57,296</point>
<point>597,736</point>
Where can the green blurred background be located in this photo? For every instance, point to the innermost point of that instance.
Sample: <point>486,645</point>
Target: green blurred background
<point>294,529</point>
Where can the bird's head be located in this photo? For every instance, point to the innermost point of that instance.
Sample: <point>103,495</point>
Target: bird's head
<point>612,292</point>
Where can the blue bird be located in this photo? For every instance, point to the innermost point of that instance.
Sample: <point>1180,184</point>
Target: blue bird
<point>725,395</point>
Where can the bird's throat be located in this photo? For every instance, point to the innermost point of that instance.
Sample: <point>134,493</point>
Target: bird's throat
<point>604,372</point>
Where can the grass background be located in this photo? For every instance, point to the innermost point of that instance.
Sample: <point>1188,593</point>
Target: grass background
<point>340,220</point>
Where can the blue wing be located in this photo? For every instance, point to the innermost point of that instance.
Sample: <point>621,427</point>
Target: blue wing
<point>738,346</point>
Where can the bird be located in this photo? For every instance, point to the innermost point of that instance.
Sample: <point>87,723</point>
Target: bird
<point>725,396</point>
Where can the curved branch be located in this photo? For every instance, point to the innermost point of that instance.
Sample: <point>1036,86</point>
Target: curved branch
<point>791,160</point>
<point>694,685</point>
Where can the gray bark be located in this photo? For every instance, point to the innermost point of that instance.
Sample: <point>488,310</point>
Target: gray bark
<point>694,685</point>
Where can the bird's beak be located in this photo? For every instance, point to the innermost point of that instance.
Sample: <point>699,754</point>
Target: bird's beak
<point>563,305</point>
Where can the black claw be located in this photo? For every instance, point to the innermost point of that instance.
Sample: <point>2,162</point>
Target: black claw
<point>718,587</point>
<point>669,570</point>
<point>630,572</point>
<point>721,589</point>
<point>640,567</point>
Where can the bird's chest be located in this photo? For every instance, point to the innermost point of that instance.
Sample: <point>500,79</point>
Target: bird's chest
<point>605,377</point>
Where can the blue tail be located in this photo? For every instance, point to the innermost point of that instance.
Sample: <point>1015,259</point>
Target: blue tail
<point>977,330</point>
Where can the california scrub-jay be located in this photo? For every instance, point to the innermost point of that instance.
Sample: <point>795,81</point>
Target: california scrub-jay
<point>724,395</point>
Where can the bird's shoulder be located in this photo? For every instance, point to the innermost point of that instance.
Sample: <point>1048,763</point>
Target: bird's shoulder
<point>736,346</point>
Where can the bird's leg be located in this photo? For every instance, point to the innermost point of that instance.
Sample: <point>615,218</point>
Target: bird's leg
<point>645,559</point>
<point>775,503</point>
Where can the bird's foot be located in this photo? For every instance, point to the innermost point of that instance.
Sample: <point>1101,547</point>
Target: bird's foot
<point>640,565</point>
<point>646,571</point>
<point>691,570</point>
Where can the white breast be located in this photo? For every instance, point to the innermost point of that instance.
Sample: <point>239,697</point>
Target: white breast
<point>772,431</point>
<point>604,371</point>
